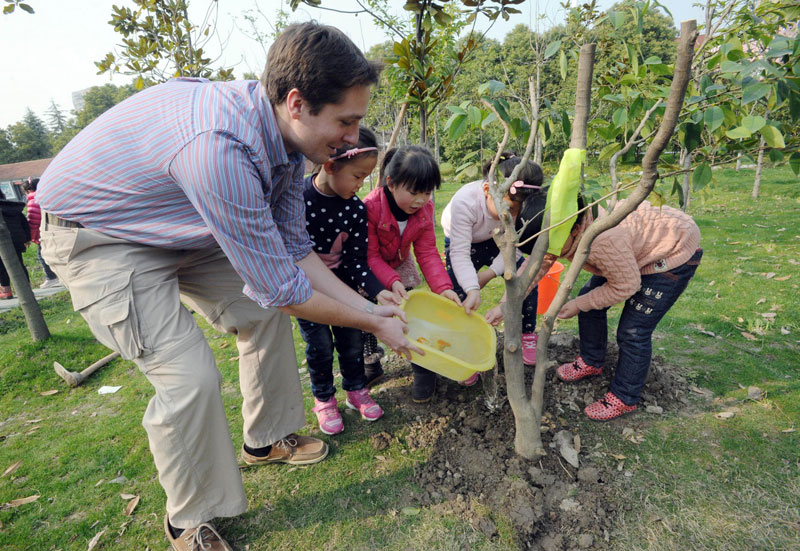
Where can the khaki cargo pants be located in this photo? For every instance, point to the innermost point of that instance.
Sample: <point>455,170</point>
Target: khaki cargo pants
<point>130,295</point>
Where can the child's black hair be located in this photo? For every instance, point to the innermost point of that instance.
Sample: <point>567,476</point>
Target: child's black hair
<point>31,184</point>
<point>412,167</point>
<point>530,175</point>
<point>366,138</point>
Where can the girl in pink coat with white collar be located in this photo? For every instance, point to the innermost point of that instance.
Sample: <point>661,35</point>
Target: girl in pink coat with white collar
<point>399,215</point>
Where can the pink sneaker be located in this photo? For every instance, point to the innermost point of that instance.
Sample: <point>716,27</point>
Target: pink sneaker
<point>529,341</point>
<point>361,401</point>
<point>471,381</point>
<point>328,416</point>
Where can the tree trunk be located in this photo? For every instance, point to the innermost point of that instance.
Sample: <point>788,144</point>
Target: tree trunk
<point>27,301</point>
<point>739,162</point>
<point>397,125</point>
<point>759,165</point>
<point>687,188</point>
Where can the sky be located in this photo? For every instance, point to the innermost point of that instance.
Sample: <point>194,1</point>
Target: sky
<point>49,55</point>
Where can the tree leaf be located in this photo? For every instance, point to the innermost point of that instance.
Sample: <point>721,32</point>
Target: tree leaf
<point>753,123</point>
<point>552,48</point>
<point>566,126</point>
<point>653,60</point>
<point>754,91</point>
<point>714,117</point>
<point>474,115</point>
<point>608,151</point>
<point>692,135</point>
<point>776,156</point>
<point>410,511</point>
<point>701,176</point>
<point>794,163</point>
<point>456,125</point>
<point>738,132</point>
<point>620,117</point>
<point>26,7</point>
<point>773,136</point>
<point>617,19</point>
<point>562,63</point>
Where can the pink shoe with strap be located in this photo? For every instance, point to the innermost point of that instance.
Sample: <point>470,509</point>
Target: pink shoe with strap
<point>577,370</point>
<point>362,402</point>
<point>328,416</point>
<point>529,341</point>
<point>607,408</point>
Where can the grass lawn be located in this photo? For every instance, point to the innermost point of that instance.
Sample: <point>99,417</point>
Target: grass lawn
<point>695,481</point>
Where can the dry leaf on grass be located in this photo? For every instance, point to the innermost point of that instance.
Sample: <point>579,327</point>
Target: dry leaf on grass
<point>770,275</point>
<point>21,501</point>
<point>131,506</point>
<point>724,415</point>
<point>48,392</point>
<point>755,393</point>
<point>126,497</point>
<point>94,541</point>
<point>749,336</point>
<point>769,316</point>
<point>701,391</point>
<point>224,345</point>
<point>761,301</point>
<point>234,359</point>
<point>785,331</point>
<point>10,470</point>
<point>618,456</point>
<point>782,278</point>
<point>788,430</point>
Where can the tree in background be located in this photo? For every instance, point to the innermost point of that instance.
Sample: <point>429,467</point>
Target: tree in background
<point>161,42</point>
<point>29,138</point>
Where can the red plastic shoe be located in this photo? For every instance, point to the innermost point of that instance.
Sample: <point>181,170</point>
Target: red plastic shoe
<point>608,408</point>
<point>577,370</point>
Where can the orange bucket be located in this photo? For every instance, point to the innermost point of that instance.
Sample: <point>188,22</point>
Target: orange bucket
<point>548,287</point>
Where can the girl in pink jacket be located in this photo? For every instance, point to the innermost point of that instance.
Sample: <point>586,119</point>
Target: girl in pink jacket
<point>399,215</point>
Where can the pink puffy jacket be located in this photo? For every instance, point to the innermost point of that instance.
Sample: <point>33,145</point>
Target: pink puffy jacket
<point>387,249</point>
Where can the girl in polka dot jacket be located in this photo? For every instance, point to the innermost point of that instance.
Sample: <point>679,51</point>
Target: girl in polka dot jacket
<point>336,221</point>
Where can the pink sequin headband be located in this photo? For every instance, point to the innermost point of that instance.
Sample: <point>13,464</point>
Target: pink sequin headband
<point>518,184</point>
<point>350,153</point>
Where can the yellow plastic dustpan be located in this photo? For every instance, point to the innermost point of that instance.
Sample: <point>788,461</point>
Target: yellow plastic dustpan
<point>456,345</point>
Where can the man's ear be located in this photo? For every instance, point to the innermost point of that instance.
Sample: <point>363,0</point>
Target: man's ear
<point>295,103</point>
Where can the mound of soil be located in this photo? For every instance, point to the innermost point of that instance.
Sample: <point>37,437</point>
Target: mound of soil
<point>473,468</point>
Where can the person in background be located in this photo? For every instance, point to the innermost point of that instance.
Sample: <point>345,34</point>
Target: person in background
<point>34,215</point>
<point>20,232</point>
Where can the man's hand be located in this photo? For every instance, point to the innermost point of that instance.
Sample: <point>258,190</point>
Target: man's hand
<point>495,315</point>
<point>472,301</point>
<point>399,289</point>
<point>391,331</point>
<point>452,295</point>
<point>570,309</point>
<point>390,311</point>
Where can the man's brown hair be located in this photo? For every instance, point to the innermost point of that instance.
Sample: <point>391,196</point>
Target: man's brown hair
<point>318,60</point>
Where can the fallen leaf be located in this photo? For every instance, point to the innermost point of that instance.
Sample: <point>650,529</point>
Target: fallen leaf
<point>769,315</point>
<point>10,470</point>
<point>380,457</point>
<point>749,336</point>
<point>782,278</point>
<point>618,456</point>
<point>740,319</point>
<point>788,430</point>
<point>761,301</point>
<point>304,362</point>
<point>126,497</point>
<point>224,345</point>
<point>410,511</point>
<point>48,392</point>
<point>724,415</point>
<point>99,482</point>
<point>234,359</point>
<point>119,480</point>
<point>21,501</point>
<point>755,393</point>
<point>34,429</point>
<point>576,443</point>
<point>93,542</point>
<point>793,261</point>
<point>770,275</point>
<point>131,506</point>
<point>701,391</point>
<point>785,331</point>
<point>711,283</point>
<point>33,421</point>
<point>782,229</point>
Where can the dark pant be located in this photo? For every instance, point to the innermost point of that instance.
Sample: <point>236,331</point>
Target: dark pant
<point>639,318</point>
<point>482,254</point>
<point>320,342</point>
<point>5,279</point>
<point>48,273</point>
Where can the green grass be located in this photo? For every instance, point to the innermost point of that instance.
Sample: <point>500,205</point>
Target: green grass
<point>694,482</point>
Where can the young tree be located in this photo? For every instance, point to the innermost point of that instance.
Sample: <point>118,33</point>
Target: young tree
<point>30,138</point>
<point>160,42</point>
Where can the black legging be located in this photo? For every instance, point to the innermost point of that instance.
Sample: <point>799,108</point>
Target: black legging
<point>5,280</point>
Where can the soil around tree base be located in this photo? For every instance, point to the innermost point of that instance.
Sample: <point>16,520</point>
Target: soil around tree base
<point>474,473</point>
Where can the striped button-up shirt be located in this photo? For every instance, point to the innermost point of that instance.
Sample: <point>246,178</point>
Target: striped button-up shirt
<point>192,164</point>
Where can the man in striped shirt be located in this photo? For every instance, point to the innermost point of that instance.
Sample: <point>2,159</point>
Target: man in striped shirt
<point>192,191</point>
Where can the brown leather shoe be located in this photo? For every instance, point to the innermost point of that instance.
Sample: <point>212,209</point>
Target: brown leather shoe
<point>293,449</point>
<point>202,537</point>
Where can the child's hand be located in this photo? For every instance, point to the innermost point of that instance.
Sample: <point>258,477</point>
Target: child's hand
<point>569,310</point>
<point>452,295</point>
<point>386,297</point>
<point>472,301</point>
<point>495,315</point>
<point>399,290</point>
